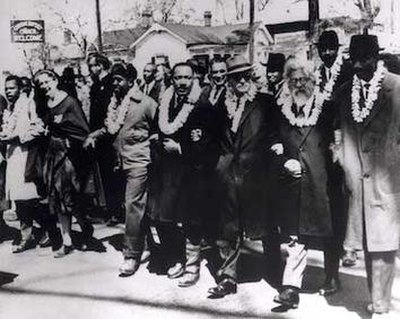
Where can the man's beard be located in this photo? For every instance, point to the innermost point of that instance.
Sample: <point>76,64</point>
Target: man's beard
<point>300,97</point>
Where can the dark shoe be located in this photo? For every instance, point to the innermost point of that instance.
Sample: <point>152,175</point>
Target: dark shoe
<point>45,241</point>
<point>176,271</point>
<point>225,287</point>
<point>349,258</point>
<point>189,279</point>
<point>25,245</point>
<point>289,297</point>
<point>128,267</point>
<point>63,251</point>
<point>330,287</point>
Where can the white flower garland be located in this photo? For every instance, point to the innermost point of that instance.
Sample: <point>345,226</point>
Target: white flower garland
<point>285,101</point>
<point>165,125</point>
<point>235,111</point>
<point>361,113</point>
<point>116,113</point>
<point>325,93</point>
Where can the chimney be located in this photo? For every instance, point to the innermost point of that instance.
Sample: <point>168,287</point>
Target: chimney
<point>147,18</point>
<point>207,18</point>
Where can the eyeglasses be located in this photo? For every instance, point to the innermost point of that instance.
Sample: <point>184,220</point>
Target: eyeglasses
<point>238,76</point>
<point>302,81</point>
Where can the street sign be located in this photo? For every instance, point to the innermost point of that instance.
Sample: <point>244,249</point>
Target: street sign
<point>27,31</point>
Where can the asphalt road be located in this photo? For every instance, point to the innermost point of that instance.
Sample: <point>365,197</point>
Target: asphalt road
<point>86,285</point>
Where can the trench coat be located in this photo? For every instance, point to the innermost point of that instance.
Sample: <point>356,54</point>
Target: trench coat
<point>370,156</point>
<point>243,183</point>
<point>303,207</point>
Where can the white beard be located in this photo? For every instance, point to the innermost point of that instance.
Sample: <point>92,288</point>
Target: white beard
<point>300,98</point>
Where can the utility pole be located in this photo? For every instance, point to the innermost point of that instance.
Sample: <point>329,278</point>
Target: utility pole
<point>98,20</point>
<point>313,17</point>
<point>251,27</point>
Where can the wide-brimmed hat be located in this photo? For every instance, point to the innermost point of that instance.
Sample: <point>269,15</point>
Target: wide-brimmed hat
<point>276,62</point>
<point>238,64</point>
<point>328,39</point>
<point>364,45</point>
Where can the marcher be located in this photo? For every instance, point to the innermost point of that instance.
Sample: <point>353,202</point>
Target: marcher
<point>167,185</point>
<point>21,129</point>
<point>275,65</point>
<point>67,168</point>
<point>3,202</point>
<point>304,217</point>
<point>151,87</point>
<point>201,150</point>
<point>111,182</point>
<point>331,74</point>
<point>369,154</point>
<point>131,118</point>
<point>247,134</point>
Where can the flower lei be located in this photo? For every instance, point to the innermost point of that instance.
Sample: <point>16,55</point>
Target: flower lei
<point>325,93</point>
<point>361,113</point>
<point>116,113</point>
<point>165,125</point>
<point>285,101</point>
<point>234,110</point>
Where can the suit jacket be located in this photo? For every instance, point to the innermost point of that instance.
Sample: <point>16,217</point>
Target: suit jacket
<point>243,183</point>
<point>370,156</point>
<point>303,207</point>
<point>154,92</point>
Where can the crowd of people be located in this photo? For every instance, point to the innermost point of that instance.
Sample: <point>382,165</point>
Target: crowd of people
<point>309,160</point>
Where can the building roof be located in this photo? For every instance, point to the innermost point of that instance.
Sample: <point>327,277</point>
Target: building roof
<point>121,39</point>
<point>287,27</point>
<point>225,34</point>
<point>195,35</point>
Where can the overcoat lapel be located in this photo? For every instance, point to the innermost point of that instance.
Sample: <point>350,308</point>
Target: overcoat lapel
<point>383,95</point>
<point>249,107</point>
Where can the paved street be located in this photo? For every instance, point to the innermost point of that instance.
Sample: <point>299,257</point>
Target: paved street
<point>86,285</point>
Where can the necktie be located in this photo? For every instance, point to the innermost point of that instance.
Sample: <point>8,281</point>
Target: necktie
<point>366,87</point>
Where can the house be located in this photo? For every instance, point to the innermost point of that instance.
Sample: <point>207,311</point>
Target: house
<point>177,42</point>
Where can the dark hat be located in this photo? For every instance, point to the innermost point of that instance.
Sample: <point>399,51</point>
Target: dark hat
<point>328,39</point>
<point>276,62</point>
<point>364,45</point>
<point>127,71</point>
<point>238,64</point>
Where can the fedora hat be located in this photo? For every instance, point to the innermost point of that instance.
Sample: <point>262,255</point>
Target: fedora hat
<point>328,39</point>
<point>238,64</point>
<point>364,45</point>
<point>276,62</point>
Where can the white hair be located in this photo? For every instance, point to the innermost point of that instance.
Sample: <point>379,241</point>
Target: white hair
<point>295,63</point>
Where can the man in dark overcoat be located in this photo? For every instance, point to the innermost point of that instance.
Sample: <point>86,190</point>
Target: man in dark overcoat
<point>100,97</point>
<point>247,135</point>
<point>331,74</point>
<point>370,155</point>
<point>304,214</point>
<point>171,186</point>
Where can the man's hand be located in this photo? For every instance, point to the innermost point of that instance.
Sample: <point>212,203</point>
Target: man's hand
<point>277,148</point>
<point>293,167</point>
<point>90,142</point>
<point>171,146</point>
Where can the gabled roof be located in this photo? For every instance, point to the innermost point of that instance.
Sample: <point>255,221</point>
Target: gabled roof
<point>121,39</point>
<point>195,35</point>
<point>287,27</point>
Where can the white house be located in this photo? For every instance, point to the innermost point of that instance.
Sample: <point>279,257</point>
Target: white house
<point>177,42</point>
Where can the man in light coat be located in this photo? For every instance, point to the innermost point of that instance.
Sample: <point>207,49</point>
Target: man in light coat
<point>370,155</point>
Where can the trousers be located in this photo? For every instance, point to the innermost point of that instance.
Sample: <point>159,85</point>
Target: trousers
<point>380,267</point>
<point>136,224</point>
<point>295,255</point>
